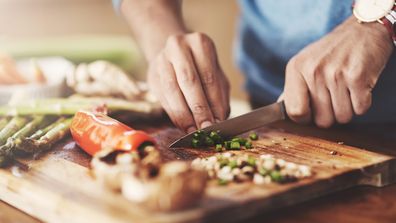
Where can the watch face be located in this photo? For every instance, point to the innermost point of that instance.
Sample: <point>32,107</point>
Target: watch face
<point>372,10</point>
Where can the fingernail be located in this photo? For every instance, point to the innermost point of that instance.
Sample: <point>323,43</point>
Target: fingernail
<point>191,129</point>
<point>217,120</point>
<point>206,124</point>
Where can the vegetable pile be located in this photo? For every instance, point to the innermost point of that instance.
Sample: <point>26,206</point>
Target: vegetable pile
<point>231,167</point>
<point>214,139</point>
<point>126,161</point>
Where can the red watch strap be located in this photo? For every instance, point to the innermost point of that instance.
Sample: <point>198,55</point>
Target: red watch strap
<point>389,22</point>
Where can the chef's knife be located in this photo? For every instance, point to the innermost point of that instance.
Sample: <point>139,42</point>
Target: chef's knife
<point>240,124</point>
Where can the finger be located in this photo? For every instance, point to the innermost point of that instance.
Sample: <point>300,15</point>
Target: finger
<point>361,100</point>
<point>177,107</point>
<point>190,85</point>
<point>226,95</point>
<point>360,92</point>
<point>322,106</point>
<point>205,58</point>
<point>341,102</point>
<point>296,96</point>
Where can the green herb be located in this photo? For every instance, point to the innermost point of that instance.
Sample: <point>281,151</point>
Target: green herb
<point>219,148</point>
<point>209,141</point>
<point>233,164</point>
<point>253,136</point>
<point>223,162</point>
<point>251,161</point>
<point>195,143</point>
<point>263,171</point>
<point>235,145</point>
<point>276,176</point>
<point>227,144</point>
<point>241,141</point>
<point>248,145</point>
<point>216,137</point>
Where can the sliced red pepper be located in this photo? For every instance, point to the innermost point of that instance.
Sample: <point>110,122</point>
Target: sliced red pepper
<point>95,131</point>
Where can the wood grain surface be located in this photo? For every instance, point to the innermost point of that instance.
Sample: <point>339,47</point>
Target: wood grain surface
<point>57,186</point>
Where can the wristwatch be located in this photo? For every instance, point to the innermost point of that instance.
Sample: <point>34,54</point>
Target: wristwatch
<point>382,11</point>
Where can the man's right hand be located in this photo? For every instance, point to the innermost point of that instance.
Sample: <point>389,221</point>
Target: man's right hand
<point>188,81</point>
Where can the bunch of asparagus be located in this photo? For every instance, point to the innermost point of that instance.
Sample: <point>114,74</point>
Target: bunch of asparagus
<point>30,134</point>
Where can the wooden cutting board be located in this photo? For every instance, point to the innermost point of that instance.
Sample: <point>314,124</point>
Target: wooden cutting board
<point>57,186</point>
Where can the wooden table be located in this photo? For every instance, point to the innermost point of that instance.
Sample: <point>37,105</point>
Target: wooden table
<point>364,204</point>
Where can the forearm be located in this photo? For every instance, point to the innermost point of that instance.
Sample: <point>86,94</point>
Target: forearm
<point>152,22</point>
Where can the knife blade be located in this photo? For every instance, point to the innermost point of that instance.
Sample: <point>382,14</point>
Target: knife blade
<point>238,125</point>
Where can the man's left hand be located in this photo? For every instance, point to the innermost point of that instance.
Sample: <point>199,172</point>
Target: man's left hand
<point>331,79</point>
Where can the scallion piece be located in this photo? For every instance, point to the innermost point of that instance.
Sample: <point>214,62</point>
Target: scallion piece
<point>253,136</point>
<point>195,143</point>
<point>248,145</point>
<point>235,145</point>
<point>219,148</point>
<point>276,176</point>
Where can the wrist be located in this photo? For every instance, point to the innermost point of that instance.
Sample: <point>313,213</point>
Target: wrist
<point>375,30</point>
<point>152,23</point>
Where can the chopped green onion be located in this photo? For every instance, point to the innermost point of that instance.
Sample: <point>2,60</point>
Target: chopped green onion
<point>216,137</point>
<point>248,145</point>
<point>209,141</point>
<point>276,176</point>
<point>263,171</point>
<point>219,148</point>
<point>235,145</point>
<point>253,136</point>
<point>233,164</point>
<point>251,161</point>
<point>227,144</point>
<point>195,143</point>
<point>223,162</point>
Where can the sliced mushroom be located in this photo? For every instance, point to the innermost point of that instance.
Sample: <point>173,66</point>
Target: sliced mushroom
<point>145,179</point>
<point>102,78</point>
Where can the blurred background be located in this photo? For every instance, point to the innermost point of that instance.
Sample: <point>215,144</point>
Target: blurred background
<point>86,30</point>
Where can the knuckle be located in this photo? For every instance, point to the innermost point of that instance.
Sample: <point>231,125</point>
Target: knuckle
<point>199,109</point>
<point>208,77</point>
<point>335,77</point>
<point>187,76</point>
<point>200,37</point>
<point>355,79</point>
<point>175,40</point>
<point>168,83</point>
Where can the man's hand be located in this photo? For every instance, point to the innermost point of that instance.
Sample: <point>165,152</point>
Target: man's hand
<point>332,79</point>
<point>189,82</point>
<point>183,69</point>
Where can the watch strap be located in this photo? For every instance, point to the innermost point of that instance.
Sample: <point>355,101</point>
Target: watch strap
<point>389,22</point>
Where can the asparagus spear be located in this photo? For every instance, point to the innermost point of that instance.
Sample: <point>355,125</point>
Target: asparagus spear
<point>59,130</point>
<point>37,122</point>
<point>11,128</point>
<point>43,131</point>
<point>3,122</point>
<point>61,106</point>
